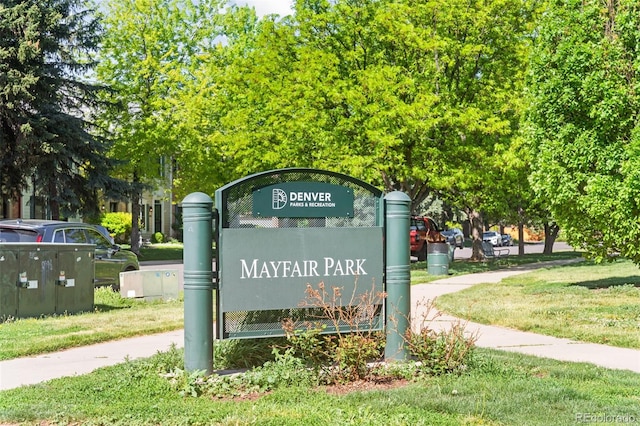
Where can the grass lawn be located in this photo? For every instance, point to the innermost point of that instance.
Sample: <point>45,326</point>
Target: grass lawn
<point>500,389</point>
<point>113,318</point>
<point>165,251</point>
<point>419,273</point>
<point>587,302</point>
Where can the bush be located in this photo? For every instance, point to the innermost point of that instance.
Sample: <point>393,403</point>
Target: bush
<point>119,225</point>
<point>439,352</point>
<point>157,238</point>
<point>348,353</point>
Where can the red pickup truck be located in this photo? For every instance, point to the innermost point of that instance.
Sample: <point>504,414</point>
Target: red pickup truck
<point>423,230</point>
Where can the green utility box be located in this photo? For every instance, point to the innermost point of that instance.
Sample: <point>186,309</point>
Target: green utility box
<point>42,279</point>
<point>8,281</point>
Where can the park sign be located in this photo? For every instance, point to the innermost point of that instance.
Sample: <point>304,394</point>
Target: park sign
<point>274,270</point>
<point>278,233</point>
<point>303,199</point>
<point>345,273</point>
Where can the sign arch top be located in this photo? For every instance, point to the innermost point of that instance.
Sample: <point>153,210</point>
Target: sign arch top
<point>322,198</point>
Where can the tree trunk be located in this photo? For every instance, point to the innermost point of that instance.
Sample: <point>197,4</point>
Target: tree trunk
<point>477,252</point>
<point>520,239</point>
<point>136,196</point>
<point>551,230</point>
<point>54,207</point>
<point>476,236</point>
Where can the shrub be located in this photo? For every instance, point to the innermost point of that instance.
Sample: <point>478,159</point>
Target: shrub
<point>343,355</point>
<point>119,225</point>
<point>444,351</point>
<point>158,238</point>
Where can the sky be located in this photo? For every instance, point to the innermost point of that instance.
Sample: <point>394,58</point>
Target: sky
<point>265,7</point>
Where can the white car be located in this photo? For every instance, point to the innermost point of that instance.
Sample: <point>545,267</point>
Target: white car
<point>493,237</point>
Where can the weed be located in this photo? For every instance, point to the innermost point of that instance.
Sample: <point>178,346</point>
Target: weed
<point>187,384</point>
<point>285,370</point>
<point>244,353</point>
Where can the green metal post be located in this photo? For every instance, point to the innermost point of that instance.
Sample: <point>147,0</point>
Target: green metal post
<point>198,285</point>
<point>398,273</point>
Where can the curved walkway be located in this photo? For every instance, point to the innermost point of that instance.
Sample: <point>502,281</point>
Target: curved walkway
<point>31,370</point>
<point>519,341</point>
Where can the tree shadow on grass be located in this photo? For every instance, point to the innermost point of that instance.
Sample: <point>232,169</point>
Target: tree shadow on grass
<point>100,307</point>
<point>610,282</point>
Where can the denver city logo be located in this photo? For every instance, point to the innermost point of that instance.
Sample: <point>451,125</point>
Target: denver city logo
<point>278,198</point>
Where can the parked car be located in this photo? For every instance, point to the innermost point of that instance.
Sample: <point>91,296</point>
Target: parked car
<point>507,240</point>
<point>454,237</point>
<point>423,230</point>
<point>110,259</point>
<point>493,237</point>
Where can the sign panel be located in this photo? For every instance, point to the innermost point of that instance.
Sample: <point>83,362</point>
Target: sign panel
<point>271,268</point>
<point>303,199</point>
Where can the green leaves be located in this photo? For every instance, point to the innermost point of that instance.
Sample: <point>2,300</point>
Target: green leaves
<point>398,94</point>
<point>583,117</point>
<point>403,95</point>
<point>46,134</point>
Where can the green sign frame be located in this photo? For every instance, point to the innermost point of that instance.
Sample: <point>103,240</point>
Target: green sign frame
<point>270,251</point>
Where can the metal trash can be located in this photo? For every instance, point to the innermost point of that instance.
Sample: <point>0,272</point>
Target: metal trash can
<point>438,258</point>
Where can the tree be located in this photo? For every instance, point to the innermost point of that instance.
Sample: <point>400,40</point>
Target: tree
<point>46,137</point>
<point>583,123</point>
<point>150,57</point>
<point>402,94</point>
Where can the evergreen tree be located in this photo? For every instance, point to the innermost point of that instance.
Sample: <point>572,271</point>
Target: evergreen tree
<point>45,131</point>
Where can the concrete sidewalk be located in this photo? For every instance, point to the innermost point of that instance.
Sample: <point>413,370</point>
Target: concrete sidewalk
<point>517,341</point>
<point>31,370</point>
<point>72,362</point>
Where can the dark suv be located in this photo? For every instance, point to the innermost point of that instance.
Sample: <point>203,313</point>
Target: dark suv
<point>110,260</point>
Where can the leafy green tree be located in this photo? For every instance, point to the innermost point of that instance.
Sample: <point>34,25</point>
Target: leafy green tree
<point>215,109</point>
<point>47,139</point>
<point>406,95</point>
<point>118,224</point>
<point>410,96</point>
<point>150,58</point>
<point>583,123</point>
